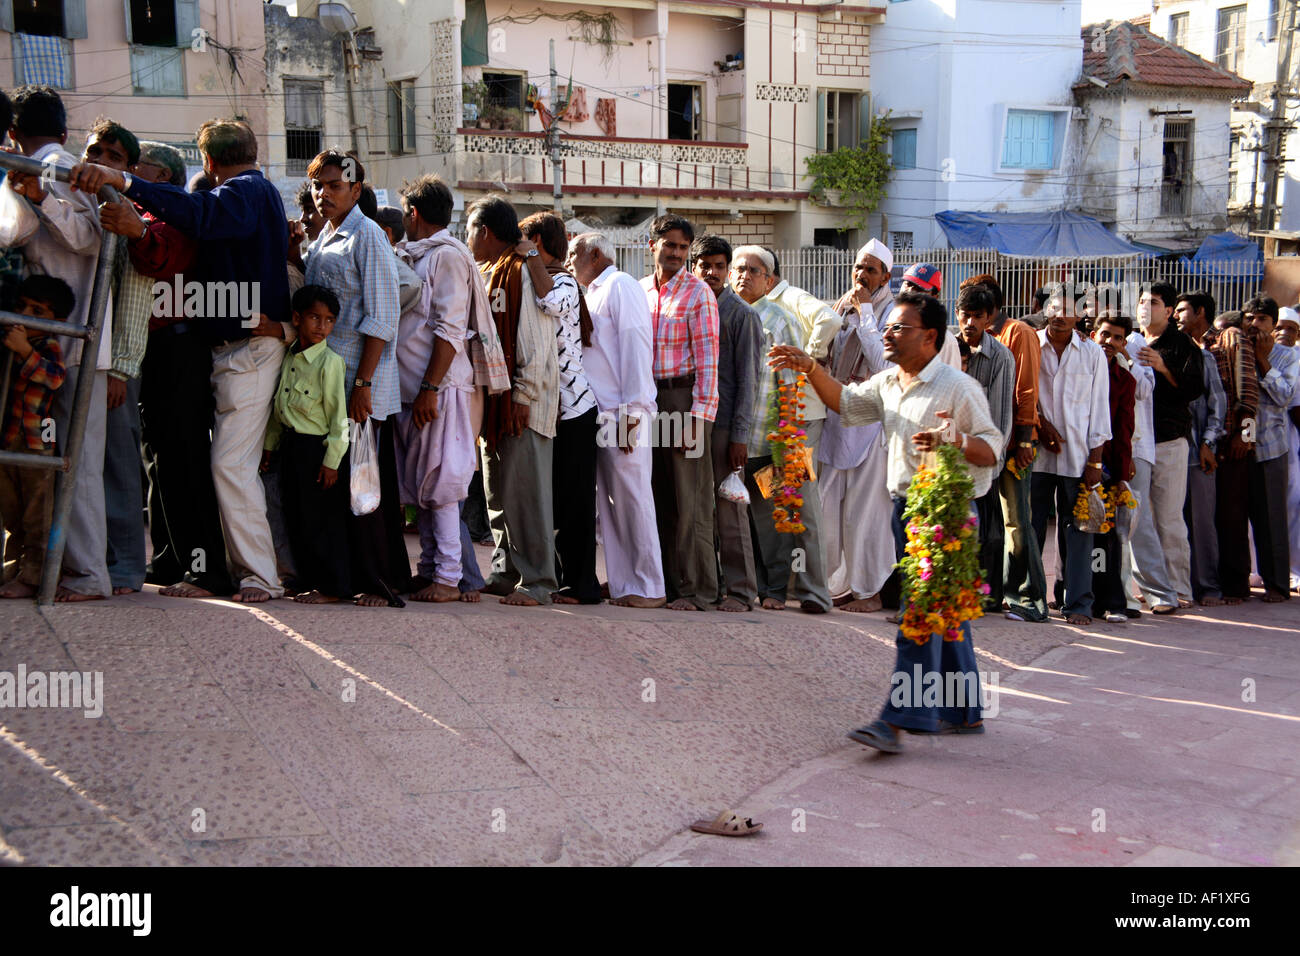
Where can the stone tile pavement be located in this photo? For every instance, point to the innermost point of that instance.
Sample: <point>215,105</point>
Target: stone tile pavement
<point>462,734</point>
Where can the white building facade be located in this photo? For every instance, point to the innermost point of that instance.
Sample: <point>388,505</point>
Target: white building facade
<point>1246,37</point>
<point>979,96</point>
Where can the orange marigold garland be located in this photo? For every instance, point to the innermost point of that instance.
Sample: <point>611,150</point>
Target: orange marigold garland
<point>788,454</point>
<point>943,584</point>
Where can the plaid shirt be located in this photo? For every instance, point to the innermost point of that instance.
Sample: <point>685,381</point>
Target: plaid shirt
<point>32,392</point>
<point>684,314</point>
<point>132,310</point>
<point>1275,390</point>
<point>357,264</point>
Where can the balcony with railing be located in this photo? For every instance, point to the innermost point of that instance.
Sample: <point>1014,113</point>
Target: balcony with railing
<point>616,165</point>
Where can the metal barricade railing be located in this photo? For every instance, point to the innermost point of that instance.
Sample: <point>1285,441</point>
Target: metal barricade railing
<point>65,463</point>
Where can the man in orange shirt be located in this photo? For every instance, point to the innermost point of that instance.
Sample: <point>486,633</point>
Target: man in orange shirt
<point>1023,582</point>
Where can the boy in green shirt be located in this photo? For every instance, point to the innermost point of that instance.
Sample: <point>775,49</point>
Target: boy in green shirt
<point>309,424</point>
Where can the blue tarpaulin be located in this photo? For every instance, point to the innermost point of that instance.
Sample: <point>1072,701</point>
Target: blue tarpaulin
<point>1227,255</point>
<point>1064,234</point>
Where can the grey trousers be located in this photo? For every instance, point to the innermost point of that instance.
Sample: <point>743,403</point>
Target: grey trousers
<point>1168,496</point>
<point>124,491</point>
<point>684,502</point>
<point>1268,524</point>
<point>85,555</point>
<point>779,553</point>
<point>1202,534</point>
<point>731,531</point>
<point>518,479</point>
<point>1143,559</point>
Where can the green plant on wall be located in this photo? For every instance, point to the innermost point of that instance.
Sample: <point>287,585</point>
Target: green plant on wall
<point>858,174</point>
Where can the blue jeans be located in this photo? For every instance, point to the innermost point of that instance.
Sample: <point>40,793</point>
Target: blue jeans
<point>1023,581</point>
<point>471,579</point>
<point>959,700</point>
<point>1074,545</point>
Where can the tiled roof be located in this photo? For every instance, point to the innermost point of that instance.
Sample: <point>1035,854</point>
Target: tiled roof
<point>1127,51</point>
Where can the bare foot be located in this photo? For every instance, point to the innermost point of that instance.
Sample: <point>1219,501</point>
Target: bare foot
<point>842,600</point>
<point>772,604</point>
<point>251,596</point>
<point>636,600</point>
<point>183,590</point>
<point>863,605</point>
<point>1211,602</point>
<point>1082,620</point>
<point>118,592</point>
<point>437,593</point>
<point>370,600</point>
<point>520,599</point>
<point>314,597</point>
<point>564,599</point>
<point>1274,597</point>
<point>16,589</point>
<point>470,597</point>
<point>1184,604</point>
<point>1233,601</point>
<point>66,596</point>
<point>684,604</point>
<point>732,604</point>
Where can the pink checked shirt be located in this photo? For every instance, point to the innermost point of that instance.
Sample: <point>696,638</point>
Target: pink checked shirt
<point>684,314</point>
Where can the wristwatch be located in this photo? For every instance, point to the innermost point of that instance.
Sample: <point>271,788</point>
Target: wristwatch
<point>360,383</point>
<point>127,180</point>
<point>530,253</point>
<point>426,387</point>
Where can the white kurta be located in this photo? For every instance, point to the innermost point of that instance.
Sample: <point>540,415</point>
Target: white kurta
<point>617,365</point>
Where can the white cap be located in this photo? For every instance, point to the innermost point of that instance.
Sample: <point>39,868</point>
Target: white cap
<point>1288,314</point>
<point>878,249</point>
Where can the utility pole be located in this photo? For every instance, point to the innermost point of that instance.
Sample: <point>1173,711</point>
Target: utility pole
<point>553,135</point>
<point>1277,127</point>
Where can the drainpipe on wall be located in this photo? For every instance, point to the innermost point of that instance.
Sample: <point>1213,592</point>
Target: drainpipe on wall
<point>661,12</point>
<point>351,62</point>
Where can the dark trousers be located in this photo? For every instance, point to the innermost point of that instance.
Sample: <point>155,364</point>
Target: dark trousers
<point>988,508</point>
<point>1107,579</point>
<point>1267,481</point>
<point>682,482</point>
<point>1231,512</point>
<point>573,486</point>
<point>1074,546</point>
<point>315,518</point>
<point>474,513</point>
<point>176,411</point>
<point>380,564</point>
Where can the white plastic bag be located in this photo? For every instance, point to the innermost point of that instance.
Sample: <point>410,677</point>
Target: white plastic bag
<point>733,489</point>
<point>365,470</point>
<point>18,221</point>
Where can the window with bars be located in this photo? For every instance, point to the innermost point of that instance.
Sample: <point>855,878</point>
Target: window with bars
<point>1178,29</point>
<point>1176,184</point>
<point>900,241</point>
<point>304,113</point>
<point>1230,39</point>
<point>1234,165</point>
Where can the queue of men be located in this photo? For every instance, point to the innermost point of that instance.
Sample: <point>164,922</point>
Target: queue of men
<point>389,356</point>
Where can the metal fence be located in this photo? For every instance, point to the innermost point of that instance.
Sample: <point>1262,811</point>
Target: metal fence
<point>1116,281</point>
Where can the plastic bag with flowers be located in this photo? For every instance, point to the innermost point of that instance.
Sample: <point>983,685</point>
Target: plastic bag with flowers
<point>1090,510</point>
<point>943,583</point>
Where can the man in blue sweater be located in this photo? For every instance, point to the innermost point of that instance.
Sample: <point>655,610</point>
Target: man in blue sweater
<point>238,295</point>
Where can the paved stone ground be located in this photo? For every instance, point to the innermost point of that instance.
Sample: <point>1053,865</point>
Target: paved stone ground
<point>486,734</point>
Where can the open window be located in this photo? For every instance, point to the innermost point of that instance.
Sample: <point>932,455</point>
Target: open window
<point>43,31</point>
<point>685,109</point>
<point>401,117</point>
<point>843,119</point>
<point>159,32</point>
<point>1230,38</point>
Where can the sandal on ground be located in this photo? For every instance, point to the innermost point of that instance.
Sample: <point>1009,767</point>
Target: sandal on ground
<point>1164,609</point>
<point>727,823</point>
<point>879,735</point>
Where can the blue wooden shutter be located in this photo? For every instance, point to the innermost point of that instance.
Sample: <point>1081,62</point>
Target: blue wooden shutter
<point>864,117</point>
<point>821,121</point>
<point>74,19</point>
<point>7,17</point>
<point>187,21</point>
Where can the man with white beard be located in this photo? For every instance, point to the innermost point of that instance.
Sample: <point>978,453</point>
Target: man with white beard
<point>853,460</point>
<point>617,365</point>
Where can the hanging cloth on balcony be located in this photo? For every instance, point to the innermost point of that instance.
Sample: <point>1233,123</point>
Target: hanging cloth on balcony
<point>605,118</point>
<point>43,62</point>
